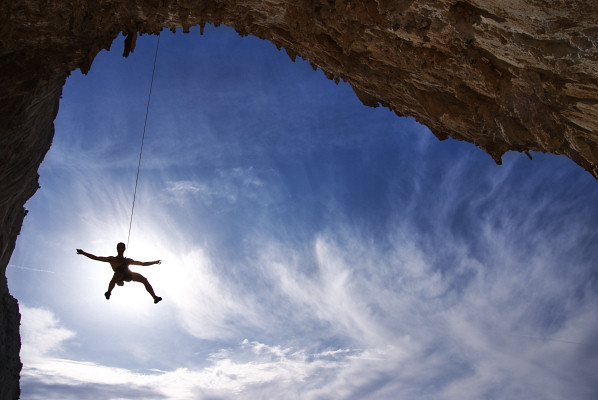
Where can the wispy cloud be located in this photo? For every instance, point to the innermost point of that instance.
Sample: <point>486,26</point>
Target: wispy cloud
<point>384,319</point>
<point>42,333</point>
<point>253,369</point>
<point>183,187</point>
<point>208,306</point>
<point>246,370</point>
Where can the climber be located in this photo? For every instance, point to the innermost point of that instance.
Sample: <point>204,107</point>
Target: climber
<point>122,273</point>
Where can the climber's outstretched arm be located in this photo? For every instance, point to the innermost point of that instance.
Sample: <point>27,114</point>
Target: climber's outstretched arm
<point>93,257</point>
<point>144,263</point>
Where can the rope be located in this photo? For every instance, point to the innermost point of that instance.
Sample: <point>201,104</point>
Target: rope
<point>143,139</point>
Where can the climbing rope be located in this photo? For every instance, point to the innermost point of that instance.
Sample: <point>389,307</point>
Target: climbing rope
<point>143,139</point>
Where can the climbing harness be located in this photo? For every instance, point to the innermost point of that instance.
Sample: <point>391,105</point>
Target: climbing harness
<point>143,139</point>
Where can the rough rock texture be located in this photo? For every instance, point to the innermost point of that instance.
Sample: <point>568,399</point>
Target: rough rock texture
<point>505,75</point>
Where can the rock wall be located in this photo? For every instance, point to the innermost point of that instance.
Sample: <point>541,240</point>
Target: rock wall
<point>505,75</point>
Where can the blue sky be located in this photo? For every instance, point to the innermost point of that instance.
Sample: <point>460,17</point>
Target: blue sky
<point>312,247</point>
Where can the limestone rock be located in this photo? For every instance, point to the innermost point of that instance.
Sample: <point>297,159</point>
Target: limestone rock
<point>505,75</point>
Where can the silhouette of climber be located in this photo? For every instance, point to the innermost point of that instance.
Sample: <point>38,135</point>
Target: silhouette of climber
<point>122,273</point>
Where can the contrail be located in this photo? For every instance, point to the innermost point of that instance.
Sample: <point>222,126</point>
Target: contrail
<point>30,269</point>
